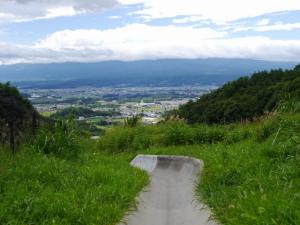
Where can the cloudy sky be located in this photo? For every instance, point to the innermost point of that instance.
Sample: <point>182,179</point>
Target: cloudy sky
<point>42,31</point>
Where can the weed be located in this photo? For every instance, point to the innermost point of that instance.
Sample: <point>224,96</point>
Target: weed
<point>63,141</point>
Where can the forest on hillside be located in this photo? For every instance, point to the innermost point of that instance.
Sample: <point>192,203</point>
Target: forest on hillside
<point>17,115</point>
<point>245,98</point>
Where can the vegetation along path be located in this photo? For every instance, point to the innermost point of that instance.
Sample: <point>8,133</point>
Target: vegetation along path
<point>169,199</point>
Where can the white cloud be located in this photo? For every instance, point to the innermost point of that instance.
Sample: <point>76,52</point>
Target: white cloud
<point>273,27</point>
<point>114,17</point>
<point>263,22</point>
<point>218,11</point>
<point>188,19</point>
<point>130,35</point>
<point>138,41</point>
<point>26,10</point>
<point>63,11</point>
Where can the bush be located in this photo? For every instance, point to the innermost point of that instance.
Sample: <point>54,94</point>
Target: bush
<point>120,139</point>
<point>62,141</point>
<point>117,139</point>
<point>141,141</point>
<point>133,121</point>
<point>289,106</point>
<point>266,130</point>
<point>177,134</point>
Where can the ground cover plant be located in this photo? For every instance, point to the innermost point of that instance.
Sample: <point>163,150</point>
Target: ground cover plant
<point>251,174</point>
<point>252,170</point>
<point>92,188</point>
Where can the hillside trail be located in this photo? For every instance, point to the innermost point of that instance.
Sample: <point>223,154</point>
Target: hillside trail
<point>170,198</point>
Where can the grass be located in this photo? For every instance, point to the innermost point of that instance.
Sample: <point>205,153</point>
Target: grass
<point>242,185</point>
<point>62,141</point>
<point>47,114</point>
<point>251,174</point>
<point>93,189</point>
<point>131,139</point>
<point>252,170</point>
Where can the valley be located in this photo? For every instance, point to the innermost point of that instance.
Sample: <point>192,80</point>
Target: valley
<point>149,112</point>
<point>116,103</point>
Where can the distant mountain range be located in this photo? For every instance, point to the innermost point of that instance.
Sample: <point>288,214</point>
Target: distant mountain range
<point>167,72</point>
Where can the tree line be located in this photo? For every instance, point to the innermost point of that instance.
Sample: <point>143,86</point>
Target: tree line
<point>81,112</point>
<point>245,98</point>
<point>17,116</point>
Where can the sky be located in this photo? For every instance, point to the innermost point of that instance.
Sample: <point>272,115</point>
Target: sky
<point>46,31</point>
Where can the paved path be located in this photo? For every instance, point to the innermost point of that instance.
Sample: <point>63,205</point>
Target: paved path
<point>170,197</point>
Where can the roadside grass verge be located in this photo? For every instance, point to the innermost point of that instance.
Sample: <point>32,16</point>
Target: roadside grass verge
<point>243,185</point>
<point>251,174</point>
<point>94,188</point>
<point>252,171</point>
<point>172,133</point>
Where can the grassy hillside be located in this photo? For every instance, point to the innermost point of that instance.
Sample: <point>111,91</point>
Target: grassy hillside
<point>56,176</point>
<point>251,173</point>
<point>245,98</point>
<point>92,188</point>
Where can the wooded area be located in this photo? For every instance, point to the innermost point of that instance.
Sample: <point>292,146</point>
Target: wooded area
<point>245,98</point>
<point>18,118</point>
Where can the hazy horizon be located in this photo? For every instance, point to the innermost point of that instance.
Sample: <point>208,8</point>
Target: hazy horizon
<point>128,30</point>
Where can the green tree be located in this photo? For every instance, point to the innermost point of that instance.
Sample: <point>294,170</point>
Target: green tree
<point>15,111</point>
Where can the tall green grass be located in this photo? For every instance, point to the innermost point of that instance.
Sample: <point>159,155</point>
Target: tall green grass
<point>122,139</point>
<point>251,174</point>
<point>62,140</point>
<point>44,189</point>
<point>244,184</point>
<point>252,170</point>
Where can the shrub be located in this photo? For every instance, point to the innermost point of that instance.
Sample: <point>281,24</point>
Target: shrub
<point>237,135</point>
<point>141,141</point>
<point>117,139</point>
<point>177,134</point>
<point>120,139</point>
<point>266,130</point>
<point>133,121</point>
<point>289,106</point>
<point>62,141</point>
<point>208,134</point>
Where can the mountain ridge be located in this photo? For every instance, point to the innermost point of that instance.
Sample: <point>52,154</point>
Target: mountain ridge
<point>166,72</point>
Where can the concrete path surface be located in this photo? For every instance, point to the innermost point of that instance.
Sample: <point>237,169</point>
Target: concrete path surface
<point>170,198</point>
